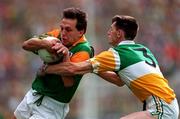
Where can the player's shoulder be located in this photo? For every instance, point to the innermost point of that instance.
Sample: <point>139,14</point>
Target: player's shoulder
<point>83,46</point>
<point>54,32</point>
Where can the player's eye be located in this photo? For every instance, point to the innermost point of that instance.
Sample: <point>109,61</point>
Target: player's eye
<point>61,28</point>
<point>68,29</point>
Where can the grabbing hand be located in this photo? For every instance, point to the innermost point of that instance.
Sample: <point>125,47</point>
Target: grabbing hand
<point>50,42</point>
<point>60,48</point>
<point>54,41</point>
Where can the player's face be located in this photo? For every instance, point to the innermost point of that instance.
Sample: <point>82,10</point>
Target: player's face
<point>113,35</point>
<point>69,32</point>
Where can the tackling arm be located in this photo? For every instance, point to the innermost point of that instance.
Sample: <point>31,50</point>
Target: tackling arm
<point>69,68</point>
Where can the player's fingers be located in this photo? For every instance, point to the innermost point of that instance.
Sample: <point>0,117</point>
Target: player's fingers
<point>60,51</point>
<point>55,41</point>
<point>63,50</point>
<point>57,46</point>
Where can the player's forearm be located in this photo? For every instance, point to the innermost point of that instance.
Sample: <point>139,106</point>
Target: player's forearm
<point>69,68</point>
<point>34,44</point>
<point>111,77</point>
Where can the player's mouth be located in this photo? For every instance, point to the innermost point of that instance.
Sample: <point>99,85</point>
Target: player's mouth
<point>63,39</point>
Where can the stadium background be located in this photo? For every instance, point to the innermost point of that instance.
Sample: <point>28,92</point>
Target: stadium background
<point>95,99</point>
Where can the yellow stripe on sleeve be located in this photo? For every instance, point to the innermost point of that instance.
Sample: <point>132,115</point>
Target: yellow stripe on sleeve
<point>105,61</point>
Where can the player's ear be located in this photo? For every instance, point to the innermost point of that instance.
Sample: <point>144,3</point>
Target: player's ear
<point>120,33</point>
<point>81,32</point>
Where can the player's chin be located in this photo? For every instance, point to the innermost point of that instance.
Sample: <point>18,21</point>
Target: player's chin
<point>110,42</point>
<point>67,44</point>
<point>64,42</point>
<point>109,39</point>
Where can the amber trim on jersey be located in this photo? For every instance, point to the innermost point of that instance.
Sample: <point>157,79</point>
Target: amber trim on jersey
<point>80,56</point>
<point>55,32</point>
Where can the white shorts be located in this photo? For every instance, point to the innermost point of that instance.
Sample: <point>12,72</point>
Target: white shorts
<point>162,110</point>
<point>48,109</point>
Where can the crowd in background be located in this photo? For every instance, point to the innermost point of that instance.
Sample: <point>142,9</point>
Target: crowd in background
<point>159,22</point>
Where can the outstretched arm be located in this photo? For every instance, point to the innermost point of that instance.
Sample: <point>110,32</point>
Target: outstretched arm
<point>69,68</point>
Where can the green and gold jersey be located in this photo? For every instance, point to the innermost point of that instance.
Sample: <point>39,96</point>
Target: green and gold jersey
<point>137,67</point>
<point>52,85</point>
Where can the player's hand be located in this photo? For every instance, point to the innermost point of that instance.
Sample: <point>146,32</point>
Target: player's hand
<point>50,44</point>
<point>54,41</point>
<point>60,48</point>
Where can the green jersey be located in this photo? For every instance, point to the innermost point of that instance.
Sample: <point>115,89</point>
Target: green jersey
<point>52,85</point>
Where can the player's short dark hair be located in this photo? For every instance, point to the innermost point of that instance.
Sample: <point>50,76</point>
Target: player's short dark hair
<point>128,24</point>
<point>76,13</point>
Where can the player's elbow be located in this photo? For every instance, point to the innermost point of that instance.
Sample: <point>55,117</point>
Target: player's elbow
<point>120,84</point>
<point>30,44</point>
<point>25,45</point>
